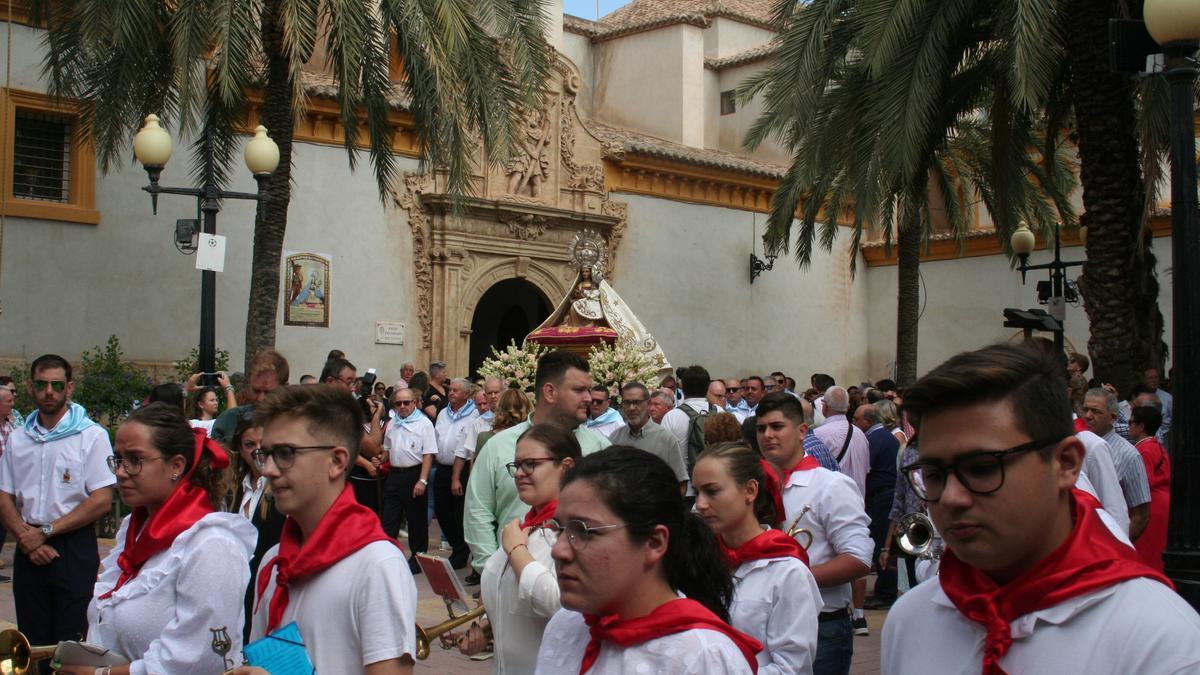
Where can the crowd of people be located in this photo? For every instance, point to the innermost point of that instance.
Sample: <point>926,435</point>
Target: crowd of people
<point>693,525</point>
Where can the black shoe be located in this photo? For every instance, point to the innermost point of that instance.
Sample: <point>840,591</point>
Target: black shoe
<point>4,579</point>
<point>860,627</point>
<point>472,579</point>
<point>878,603</point>
<point>414,566</point>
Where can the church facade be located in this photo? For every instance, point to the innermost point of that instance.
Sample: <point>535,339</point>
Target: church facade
<point>640,142</point>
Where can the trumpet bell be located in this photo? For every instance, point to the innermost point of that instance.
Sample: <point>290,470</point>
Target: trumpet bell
<point>916,535</point>
<point>17,657</point>
<point>425,636</point>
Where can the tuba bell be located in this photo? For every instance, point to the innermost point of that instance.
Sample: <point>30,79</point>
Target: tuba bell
<point>916,536</point>
<point>794,530</point>
<point>17,657</point>
<point>426,635</point>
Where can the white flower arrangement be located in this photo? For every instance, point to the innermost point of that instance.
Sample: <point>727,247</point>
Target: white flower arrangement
<point>514,364</point>
<point>616,365</point>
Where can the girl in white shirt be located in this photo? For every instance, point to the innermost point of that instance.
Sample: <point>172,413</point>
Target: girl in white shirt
<point>179,569</point>
<point>519,588</point>
<point>776,599</point>
<point>643,584</point>
<point>254,501</point>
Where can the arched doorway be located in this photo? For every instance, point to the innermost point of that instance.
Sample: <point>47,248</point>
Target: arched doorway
<point>506,312</point>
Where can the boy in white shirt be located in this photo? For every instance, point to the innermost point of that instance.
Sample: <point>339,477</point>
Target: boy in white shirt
<point>334,573</point>
<point>1037,577</point>
<point>841,546</point>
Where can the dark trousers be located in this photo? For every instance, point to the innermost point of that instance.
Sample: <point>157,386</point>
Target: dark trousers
<point>449,509</point>
<point>398,502</point>
<point>835,647</point>
<point>366,491</point>
<point>52,600</point>
<point>879,505</point>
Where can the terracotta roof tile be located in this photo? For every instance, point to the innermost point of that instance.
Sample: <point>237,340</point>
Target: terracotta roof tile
<point>743,57</point>
<point>641,12</point>
<point>617,141</point>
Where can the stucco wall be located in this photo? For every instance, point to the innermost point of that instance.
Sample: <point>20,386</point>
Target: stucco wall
<point>731,129</point>
<point>964,302</point>
<point>727,37</point>
<point>651,82</point>
<point>684,270</point>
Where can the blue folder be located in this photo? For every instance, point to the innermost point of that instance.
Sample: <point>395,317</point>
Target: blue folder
<point>280,653</point>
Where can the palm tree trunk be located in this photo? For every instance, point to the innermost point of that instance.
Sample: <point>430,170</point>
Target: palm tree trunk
<point>269,229</point>
<point>1120,289</point>
<point>908,297</point>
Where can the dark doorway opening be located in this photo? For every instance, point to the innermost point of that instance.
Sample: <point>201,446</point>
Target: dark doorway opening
<point>505,314</point>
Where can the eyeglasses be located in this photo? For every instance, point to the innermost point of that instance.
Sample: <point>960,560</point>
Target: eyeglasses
<point>131,464</point>
<point>633,402</point>
<point>578,533</point>
<point>58,385</point>
<point>732,390</point>
<point>284,456</point>
<point>401,404</point>
<point>769,387</point>
<point>980,472</point>
<point>526,466</point>
<point>599,401</point>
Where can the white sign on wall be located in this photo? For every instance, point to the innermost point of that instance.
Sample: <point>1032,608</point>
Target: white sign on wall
<point>389,332</point>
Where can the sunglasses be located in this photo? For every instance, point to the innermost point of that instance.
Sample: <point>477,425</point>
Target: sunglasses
<point>58,385</point>
<point>732,390</point>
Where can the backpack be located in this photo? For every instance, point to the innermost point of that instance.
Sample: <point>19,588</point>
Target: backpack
<point>695,432</point>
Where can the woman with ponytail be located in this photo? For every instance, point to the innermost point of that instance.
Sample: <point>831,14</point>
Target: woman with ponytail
<point>643,583</point>
<point>179,568</point>
<point>776,599</point>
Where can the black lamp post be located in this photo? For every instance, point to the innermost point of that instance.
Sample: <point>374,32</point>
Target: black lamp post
<point>152,145</point>
<point>1175,25</point>
<point>1023,242</point>
<point>758,265</point>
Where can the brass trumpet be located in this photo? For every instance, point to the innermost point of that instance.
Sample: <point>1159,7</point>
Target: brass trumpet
<point>916,536</point>
<point>17,657</point>
<point>793,530</point>
<point>426,635</point>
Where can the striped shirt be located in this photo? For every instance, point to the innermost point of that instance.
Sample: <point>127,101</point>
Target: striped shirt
<point>1130,469</point>
<point>813,446</point>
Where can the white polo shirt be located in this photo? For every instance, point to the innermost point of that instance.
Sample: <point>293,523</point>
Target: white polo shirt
<point>1135,626</point>
<point>360,611</point>
<point>776,601</point>
<point>453,437</point>
<point>50,479</point>
<point>837,520</point>
<point>407,444</point>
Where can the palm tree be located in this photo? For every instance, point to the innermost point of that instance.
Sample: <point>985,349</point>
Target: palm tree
<point>885,130</point>
<point>196,63</point>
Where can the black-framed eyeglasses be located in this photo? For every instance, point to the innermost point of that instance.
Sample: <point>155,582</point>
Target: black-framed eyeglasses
<point>401,404</point>
<point>599,401</point>
<point>59,386</point>
<point>732,390</point>
<point>526,466</point>
<point>131,464</point>
<point>980,472</point>
<point>284,455</point>
<point>578,532</point>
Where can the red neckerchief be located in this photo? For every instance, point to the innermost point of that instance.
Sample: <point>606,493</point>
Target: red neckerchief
<point>1090,559</point>
<point>769,544</point>
<point>535,517</point>
<point>186,505</point>
<point>672,617</point>
<point>807,464</point>
<point>773,488</point>
<point>1080,425</point>
<point>345,528</point>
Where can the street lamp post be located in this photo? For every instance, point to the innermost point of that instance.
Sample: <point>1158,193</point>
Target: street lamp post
<point>1175,25</point>
<point>1023,242</point>
<point>152,146</point>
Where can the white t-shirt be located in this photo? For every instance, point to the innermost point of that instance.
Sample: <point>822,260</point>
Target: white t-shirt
<point>407,444</point>
<point>776,601</point>
<point>837,520</point>
<point>206,425</point>
<point>699,650</point>
<point>160,619</point>
<point>519,610</point>
<point>50,479</point>
<point>1136,626</point>
<point>360,611</point>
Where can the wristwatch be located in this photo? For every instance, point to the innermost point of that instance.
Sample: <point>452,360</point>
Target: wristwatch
<point>48,530</point>
<point>423,481</point>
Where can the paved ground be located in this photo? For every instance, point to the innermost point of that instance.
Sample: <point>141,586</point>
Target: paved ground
<point>431,610</point>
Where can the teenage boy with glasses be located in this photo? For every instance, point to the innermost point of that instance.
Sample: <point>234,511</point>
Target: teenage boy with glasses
<point>335,573</point>
<point>54,485</point>
<point>1036,577</point>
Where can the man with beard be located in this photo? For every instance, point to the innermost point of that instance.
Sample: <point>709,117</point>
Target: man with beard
<point>562,384</point>
<point>54,484</point>
<point>642,433</point>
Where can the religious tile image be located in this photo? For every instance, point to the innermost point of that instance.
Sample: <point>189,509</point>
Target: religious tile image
<point>306,292</point>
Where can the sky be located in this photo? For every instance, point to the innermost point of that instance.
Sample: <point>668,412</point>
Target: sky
<point>587,8</point>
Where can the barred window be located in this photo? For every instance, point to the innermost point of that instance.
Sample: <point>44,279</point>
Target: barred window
<point>42,156</point>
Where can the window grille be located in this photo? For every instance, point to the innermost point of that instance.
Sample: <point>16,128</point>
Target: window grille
<point>42,157</point>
